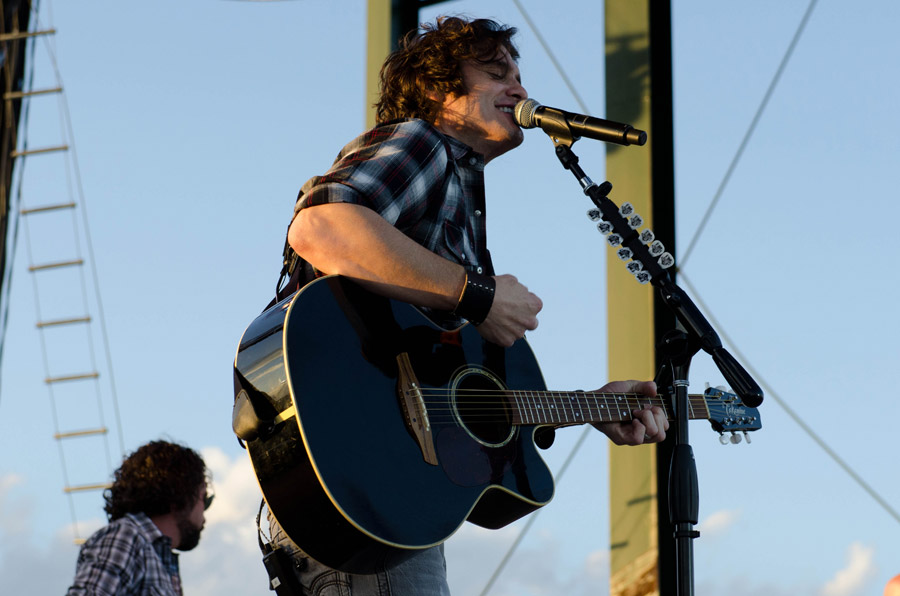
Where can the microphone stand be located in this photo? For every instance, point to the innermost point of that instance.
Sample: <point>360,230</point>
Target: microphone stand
<point>677,348</point>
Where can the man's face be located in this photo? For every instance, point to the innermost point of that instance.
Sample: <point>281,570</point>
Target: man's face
<point>483,117</point>
<point>190,522</point>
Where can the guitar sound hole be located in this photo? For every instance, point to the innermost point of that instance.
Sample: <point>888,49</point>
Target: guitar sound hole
<point>480,406</point>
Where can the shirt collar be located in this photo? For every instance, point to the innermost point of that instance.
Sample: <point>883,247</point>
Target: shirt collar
<point>457,148</point>
<point>464,153</point>
<point>162,544</point>
<point>147,527</point>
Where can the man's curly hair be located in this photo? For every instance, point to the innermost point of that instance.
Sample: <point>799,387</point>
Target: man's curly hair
<point>158,478</point>
<point>431,60</point>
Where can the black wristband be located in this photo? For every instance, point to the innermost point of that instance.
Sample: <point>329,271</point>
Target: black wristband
<point>476,298</point>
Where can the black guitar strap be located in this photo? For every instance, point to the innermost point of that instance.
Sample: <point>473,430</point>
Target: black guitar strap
<point>292,267</point>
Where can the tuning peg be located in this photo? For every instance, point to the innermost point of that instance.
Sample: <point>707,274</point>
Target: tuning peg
<point>647,236</point>
<point>734,439</point>
<point>614,239</point>
<point>624,253</point>
<point>746,436</point>
<point>604,227</point>
<point>634,267</point>
<point>635,221</point>
<point>593,214</point>
<point>656,248</point>
<point>722,393</point>
<point>626,209</point>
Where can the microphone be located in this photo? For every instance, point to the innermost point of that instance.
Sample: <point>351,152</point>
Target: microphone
<point>529,113</point>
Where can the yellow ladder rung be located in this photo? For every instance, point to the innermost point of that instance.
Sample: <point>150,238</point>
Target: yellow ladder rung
<point>25,34</point>
<point>42,324</point>
<point>80,433</point>
<point>41,150</point>
<point>20,94</point>
<point>56,265</point>
<point>84,487</point>
<point>47,208</point>
<point>60,379</point>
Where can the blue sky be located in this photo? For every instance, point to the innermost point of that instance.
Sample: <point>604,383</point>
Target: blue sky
<point>195,125</point>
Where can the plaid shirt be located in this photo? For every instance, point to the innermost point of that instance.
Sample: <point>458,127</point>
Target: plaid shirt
<point>403,170</point>
<point>130,556</point>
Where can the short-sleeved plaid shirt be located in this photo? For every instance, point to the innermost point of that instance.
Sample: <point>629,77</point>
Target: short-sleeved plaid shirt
<point>426,184</point>
<point>128,557</point>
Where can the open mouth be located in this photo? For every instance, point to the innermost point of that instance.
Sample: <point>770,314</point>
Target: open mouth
<point>509,110</point>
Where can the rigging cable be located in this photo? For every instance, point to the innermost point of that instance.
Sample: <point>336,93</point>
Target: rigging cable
<point>700,228</point>
<point>76,173</point>
<point>587,429</point>
<point>764,102</point>
<point>12,209</point>
<point>72,171</point>
<point>531,518</point>
<point>740,150</point>
<point>795,417</point>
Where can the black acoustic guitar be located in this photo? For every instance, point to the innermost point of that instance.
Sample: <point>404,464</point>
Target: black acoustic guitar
<point>375,433</point>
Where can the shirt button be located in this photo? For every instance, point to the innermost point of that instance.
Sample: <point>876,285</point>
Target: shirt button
<point>478,213</point>
<point>464,256</point>
<point>473,161</point>
<point>479,270</point>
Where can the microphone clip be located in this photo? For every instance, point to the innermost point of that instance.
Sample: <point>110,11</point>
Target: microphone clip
<point>556,125</point>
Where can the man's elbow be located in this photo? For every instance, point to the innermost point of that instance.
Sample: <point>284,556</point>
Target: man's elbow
<point>301,234</point>
<point>315,235</point>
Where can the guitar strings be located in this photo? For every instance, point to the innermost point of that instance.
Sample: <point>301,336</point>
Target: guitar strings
<point>554,407</point>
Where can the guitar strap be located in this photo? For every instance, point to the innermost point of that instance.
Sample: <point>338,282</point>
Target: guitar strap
<point>292,266</point>
<point>296,272</point>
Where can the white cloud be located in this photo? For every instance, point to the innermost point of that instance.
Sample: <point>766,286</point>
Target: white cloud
<point>850,580</point>
<point>596,566</point>
<point>25,567</point>
<point>14,513</point>
<point>7,482</point>
<point>718,523</point>
<point>227,560</point>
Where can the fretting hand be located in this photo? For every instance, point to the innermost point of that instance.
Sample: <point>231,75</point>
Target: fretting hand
<point>649,424</point>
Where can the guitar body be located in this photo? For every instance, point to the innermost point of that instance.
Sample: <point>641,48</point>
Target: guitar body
<point>344,476</point>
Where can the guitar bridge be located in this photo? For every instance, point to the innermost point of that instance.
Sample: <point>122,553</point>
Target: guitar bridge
<point>414,412</point>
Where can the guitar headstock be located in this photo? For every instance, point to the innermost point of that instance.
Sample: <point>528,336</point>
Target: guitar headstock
<point>727,413</point>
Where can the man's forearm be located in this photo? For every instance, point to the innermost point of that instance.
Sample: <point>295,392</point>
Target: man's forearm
<point>356,242</point>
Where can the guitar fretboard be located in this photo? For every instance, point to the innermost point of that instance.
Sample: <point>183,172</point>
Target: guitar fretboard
<point>580,407</point>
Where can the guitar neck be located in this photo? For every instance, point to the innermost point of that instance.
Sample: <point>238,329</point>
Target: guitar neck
<point>562,408</point>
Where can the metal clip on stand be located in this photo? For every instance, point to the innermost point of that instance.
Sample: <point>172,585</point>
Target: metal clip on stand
<point>648,263</point>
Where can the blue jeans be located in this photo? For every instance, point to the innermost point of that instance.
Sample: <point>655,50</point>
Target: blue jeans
<point>425,574</point>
